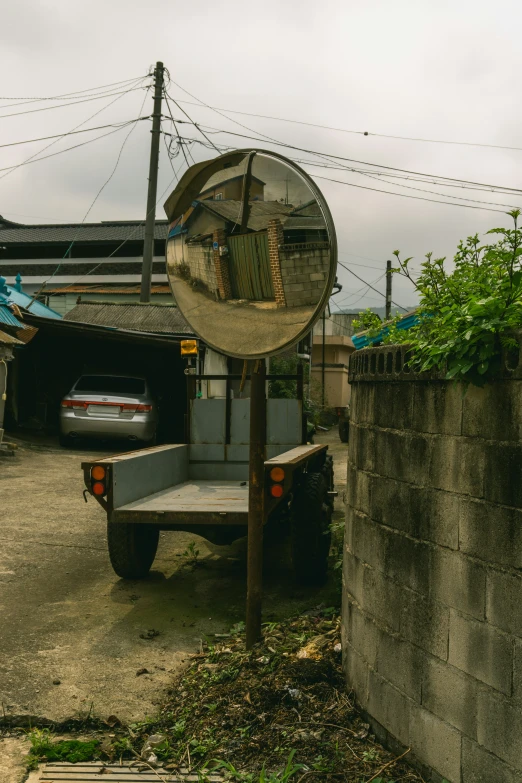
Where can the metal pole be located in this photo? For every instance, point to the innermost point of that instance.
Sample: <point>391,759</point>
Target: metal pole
<point>150,220</point>
<point>388,289</point>
<point>256,510</point>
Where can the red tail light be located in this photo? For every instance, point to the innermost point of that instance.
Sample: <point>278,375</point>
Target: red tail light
<point>125,406</point>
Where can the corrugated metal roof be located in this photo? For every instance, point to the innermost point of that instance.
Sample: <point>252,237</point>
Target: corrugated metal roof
<point>27,302</point>
<point>17,233</point>
<point>260,211</point>
<point>7,339</point>
<point>162,319</point>
<point>362,340</point>
<point>92,289</point>
<point>8,317</point>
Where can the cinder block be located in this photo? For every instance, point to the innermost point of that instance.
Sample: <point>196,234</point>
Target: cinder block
<point>361,448</point>
<point>369,541</point>
<point>317,276</point>
<point>402,455</point>
<point>481,766</point>
<point>362,403</point>
<point>503,469</point>
<point>451,695</point>
<point>353,576</point>
<point>361,631</point>
<point>401,663</point>
<point>436,743</point>
<point>435,516</point>
<point>358,489</point>
<point>407,562</point>
<point>490,532</point>
<point>357,671</point>
<point>390,707</point>
<point>480,650</point>
<point>499,727</point>
<point>457,581</point>
<point>503,397</point>
<point>517,670</point>
<point>291,287</point>
<point>393,405</point>
<point>381,598</point>
<point>390,503</point>
<point>425,623</point>
<point>457,465</point>
<point>504,601</point>
<point>437,407</point>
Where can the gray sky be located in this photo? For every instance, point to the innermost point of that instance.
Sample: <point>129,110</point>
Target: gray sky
<point>413,68</point>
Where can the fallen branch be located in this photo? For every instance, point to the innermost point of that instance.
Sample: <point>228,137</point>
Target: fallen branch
<point>389,764</point>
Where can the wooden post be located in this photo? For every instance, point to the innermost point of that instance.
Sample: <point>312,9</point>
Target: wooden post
<point>256,503</point>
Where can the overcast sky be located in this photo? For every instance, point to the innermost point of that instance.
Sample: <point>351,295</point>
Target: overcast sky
<point>444,70</point>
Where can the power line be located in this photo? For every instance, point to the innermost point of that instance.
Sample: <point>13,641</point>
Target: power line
<point>369,284</point>
<point>167,96</point>
<point>73,94</point>
<point>74,132</point>
<point>344,130</point>
<point>74,103</point>
<point>48,146</point>
<point>98,194</point>
<point>68,149</point>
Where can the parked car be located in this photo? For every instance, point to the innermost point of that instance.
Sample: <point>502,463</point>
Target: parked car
<point>109,406</point>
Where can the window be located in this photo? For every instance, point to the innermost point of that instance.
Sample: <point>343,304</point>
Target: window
<point>218,196</point>
<point>110,384</point>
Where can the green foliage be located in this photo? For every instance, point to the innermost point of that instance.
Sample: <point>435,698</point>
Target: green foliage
<point>468,316</point>
<point>282,776</point>
<point>371,324</point>
<point>44,747</point>
<point>192,553</point>
<point>287,390</point>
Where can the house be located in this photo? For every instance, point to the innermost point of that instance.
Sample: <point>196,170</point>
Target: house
<point>228,184</point>
<point>51,258</point>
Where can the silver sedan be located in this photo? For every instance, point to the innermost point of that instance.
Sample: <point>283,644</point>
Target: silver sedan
<point>109,406</point>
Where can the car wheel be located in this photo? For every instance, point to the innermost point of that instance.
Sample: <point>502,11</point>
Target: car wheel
<point>132,548</point>
<point>311,516</point>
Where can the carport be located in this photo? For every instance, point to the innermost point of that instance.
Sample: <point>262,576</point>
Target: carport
<point>62,350</point>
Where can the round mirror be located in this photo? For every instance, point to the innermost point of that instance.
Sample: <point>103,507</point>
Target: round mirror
<point>251,252</point>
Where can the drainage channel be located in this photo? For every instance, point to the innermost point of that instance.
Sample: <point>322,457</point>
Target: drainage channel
<point>89,772</point>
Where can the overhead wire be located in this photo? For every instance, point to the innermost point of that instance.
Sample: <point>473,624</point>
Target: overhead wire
<point>369,285</point>
<point>345,130</point>
<point>76,92</point>
<point>48,146</point>
<point>72,103</point>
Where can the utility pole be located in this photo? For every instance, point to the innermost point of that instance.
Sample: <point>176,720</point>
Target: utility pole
<point>388,289</point>
<point>150,220</point>
<point>256,504</point>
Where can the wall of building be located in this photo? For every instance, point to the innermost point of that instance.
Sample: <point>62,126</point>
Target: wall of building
<point>432,605</point>
<point>304,271</point>
<point>337,352</point>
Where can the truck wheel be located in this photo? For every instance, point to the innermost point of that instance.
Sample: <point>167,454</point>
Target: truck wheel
<point>132,548</point>
<point>310,530</point>
<point>344,428</point>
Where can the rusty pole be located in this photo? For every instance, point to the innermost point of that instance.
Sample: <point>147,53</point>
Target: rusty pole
<point>256,503</point>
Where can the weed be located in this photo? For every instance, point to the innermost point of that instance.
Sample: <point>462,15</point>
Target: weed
<point>192,554</point>
<point>370,755</point>
<point>178,728</point>
<point>43,747</point>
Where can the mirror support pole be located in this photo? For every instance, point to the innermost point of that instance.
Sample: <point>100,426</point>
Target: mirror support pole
<point>256,498</point>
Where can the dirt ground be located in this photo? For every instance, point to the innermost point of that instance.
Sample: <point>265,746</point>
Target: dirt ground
<point>71,628</point>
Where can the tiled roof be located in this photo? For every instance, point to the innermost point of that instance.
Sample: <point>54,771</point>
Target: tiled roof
<point>103,289</point>
<point>18,233</point>
<point>163,319</point>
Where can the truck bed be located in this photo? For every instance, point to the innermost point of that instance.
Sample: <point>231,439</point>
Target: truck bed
<point>197,499</point>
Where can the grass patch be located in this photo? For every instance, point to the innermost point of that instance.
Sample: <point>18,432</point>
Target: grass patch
<point>45,748</point>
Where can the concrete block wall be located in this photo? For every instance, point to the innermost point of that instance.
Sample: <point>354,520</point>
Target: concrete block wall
<point>201,263</point>
<point>304,274</point>
<point>432,596</point>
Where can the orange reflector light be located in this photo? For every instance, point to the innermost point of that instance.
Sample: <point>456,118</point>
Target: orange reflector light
<point>98,488</point>
<point>277,474</point>
<point>276,490</point>
<point>189,347</point>
<point>98,473</point>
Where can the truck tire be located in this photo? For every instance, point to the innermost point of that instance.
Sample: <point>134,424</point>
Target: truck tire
<point>344,429</point>
<point>132,548</point>
<point>310,529</point>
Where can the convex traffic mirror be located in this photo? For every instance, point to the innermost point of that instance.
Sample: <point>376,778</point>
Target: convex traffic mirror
<point>251,252</point>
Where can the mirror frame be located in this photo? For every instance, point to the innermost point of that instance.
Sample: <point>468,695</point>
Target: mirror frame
<point>188,189</point>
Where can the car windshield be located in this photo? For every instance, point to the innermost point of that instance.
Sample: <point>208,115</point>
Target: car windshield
<point>110,384</point>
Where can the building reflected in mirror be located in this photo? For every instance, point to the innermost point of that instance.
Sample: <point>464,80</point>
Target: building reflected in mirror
<point>249,260</point>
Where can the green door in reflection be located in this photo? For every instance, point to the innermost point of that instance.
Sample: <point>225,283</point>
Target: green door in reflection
<point>249,266</point>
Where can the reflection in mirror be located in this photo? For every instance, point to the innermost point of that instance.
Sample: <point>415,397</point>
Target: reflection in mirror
<point>251,260</point>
